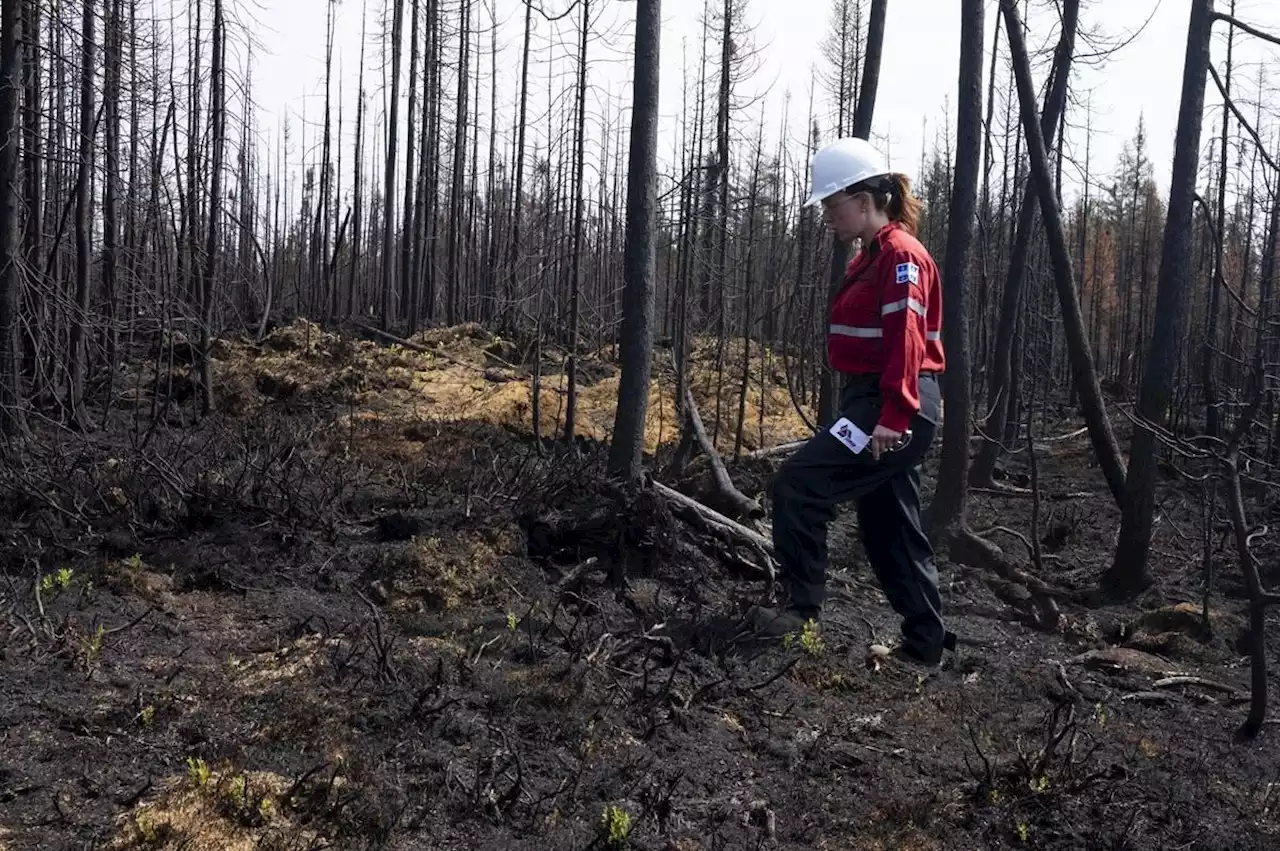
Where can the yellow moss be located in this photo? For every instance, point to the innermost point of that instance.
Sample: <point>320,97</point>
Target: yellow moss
<point>203,818</point>
<point>408,388</point>
<point>443,573</point>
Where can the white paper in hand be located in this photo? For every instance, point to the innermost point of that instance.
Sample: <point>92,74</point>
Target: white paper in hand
<point>850,435</point>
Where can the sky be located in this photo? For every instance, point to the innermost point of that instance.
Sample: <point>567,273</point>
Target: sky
<point>916,99</point>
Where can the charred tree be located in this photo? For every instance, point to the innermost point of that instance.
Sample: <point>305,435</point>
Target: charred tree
<point>626,455</point>
<point>1129,573</point>
<point>11,84</point>
<point>1100,431</point>
<point>388,258</point>
<point>948,507</point>
<point>1001,389</point>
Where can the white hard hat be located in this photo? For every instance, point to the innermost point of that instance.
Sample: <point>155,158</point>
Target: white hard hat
<point>841,164</point>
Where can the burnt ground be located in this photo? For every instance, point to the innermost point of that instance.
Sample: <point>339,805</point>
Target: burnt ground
<point>264,631</point>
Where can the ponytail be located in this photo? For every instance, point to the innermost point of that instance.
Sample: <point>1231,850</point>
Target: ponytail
<point>900,205</point>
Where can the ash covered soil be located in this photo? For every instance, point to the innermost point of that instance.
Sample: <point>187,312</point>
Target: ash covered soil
<point>359,609</point>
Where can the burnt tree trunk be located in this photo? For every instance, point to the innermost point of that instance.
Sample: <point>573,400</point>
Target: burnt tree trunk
<point>1001,386</point>
<point>78,337</point>
<point>388,259</point>
<point>636,345</point>
<point>1095,414</point>
<point>1129,572</point>
<point>948,507</point>
<point>11,419</point>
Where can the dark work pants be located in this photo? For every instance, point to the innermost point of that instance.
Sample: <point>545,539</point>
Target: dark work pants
<point>825,473</point>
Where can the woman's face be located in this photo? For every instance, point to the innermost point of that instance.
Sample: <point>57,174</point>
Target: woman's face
<point>847,215</point>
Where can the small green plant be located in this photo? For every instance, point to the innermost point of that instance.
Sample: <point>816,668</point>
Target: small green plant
<point>235,792</point>
<point>93,646</point>
<point>59,580</point>
<point>811,639</point>
<point>147,717</point>
<point>198,771</point>
<point>615,826</point>
<point>1024,831</point>
<point>512,621</point>
<point>146,828</point>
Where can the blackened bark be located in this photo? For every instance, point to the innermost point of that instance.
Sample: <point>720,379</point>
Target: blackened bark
<point>1001,386</point>
<point>1129,572</point>
<point>636,345</point>
<point>1095,414</point>
<point>948,507</point>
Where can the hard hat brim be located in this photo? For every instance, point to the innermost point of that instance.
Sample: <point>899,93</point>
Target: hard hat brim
<point>818,197</point>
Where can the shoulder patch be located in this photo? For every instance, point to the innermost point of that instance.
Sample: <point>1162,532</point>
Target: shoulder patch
<point>907,273</point>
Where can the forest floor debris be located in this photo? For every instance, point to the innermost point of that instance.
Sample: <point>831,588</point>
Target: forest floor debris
<point>358,608</point>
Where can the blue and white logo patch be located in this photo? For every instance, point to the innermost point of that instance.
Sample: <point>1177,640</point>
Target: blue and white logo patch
<point>907,273</point>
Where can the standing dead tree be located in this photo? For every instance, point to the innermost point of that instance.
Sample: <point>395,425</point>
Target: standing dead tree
<point>1086,378</point>
<point>11,416</point>
<point>948,507</point>
<point>1129,572</point>
<point>1001,390</point>
<point>636,348</point>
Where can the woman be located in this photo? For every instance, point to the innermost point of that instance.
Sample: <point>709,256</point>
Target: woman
<point>885,343</point>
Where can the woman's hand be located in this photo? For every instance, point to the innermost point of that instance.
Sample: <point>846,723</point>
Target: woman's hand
<point>883,440</point>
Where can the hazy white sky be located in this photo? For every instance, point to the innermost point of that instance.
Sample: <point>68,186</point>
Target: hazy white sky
<point>918,75</point>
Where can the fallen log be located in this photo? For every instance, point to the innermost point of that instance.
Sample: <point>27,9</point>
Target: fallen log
<point>411,345</point>
<point>391,338</point>
<point>713,521</point>
<point>727,495</point>
<point>968,548</point>
<point>772,451</point>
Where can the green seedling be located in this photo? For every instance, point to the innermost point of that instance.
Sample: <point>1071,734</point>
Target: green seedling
<point>615,825</point>
<point>198,771</point>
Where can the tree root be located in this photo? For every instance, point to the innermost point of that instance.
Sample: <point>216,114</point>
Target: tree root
<point>726,497</point>
<point>714,523</point>
<point>970,549</point>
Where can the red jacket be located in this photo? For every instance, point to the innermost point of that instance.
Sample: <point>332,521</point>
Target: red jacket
<point>887,320</point>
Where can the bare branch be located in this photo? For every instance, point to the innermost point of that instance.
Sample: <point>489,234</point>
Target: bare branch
<point>1239,24</point>
<point>1231,104</point>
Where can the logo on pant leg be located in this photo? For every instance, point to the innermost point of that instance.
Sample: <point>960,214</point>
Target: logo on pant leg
<point>854,438</point>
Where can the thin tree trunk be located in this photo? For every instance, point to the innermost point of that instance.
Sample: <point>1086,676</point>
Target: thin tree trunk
<point>407,295</point>
<point>78,337</point>
<point>1212,420</point>
<point>217,119</point>
<point>389,188</point>
<point>1129,572</point>
<point>357,235</point>
<point>11,416</point>
<point>626,454</point>
<point>517,198</point>
<point>575,293</point>
<point>113,33</point>
<point>948,507</point>
<point>456,223</point>
<point>1001,387</point>
<point>1100,432</point>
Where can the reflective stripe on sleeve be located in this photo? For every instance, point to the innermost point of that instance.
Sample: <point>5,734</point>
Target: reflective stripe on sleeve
<point>903,304</point>
<point>933,335</point>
